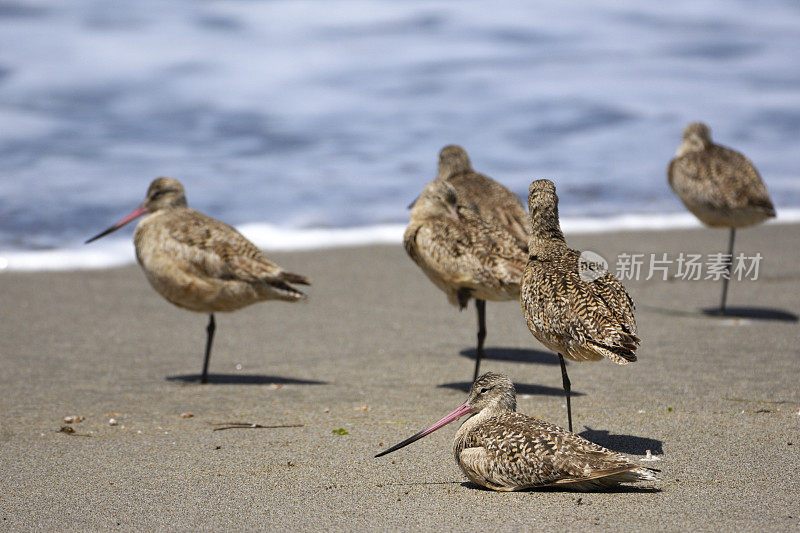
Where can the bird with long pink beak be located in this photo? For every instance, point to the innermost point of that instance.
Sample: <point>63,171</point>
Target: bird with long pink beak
<point>199,263</point>
<point>503,450</point>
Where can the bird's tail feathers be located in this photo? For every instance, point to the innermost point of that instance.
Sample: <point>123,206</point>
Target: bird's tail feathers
<point>605,479</point>
<point>291,277</point>
<point>280,290</point>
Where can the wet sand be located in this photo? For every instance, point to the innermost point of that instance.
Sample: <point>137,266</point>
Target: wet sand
<point>378,353</point>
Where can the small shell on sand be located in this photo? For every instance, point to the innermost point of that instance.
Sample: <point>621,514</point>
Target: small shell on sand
<point>186,415</point>
<point>112,422</point>
<point>74,419</point>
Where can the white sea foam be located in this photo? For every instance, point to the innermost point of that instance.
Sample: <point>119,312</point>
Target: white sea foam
<point>118,251</point>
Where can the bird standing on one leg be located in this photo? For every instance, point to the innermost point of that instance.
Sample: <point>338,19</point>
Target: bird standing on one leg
<point>463,255</point>
<point>493,202</point>
<point>199,263</point>
<point>503,450</point>
<point>719,186</point>
<point>580,319</point>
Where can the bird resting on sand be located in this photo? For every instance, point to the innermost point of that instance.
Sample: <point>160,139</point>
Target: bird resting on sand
<point>501,449</point>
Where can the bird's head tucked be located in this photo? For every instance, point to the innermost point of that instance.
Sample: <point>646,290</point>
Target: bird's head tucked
<point>492,391</point>
<point>438,198</point>
<point>696,137</point>
<point>452,160</point>
<point>164,193</point>
<point>542,193</point>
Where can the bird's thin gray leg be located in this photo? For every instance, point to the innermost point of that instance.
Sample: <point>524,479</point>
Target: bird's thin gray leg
<point>212,326</point>
<point>480,305</point>
<point>567,384</point>
<point>728,272</point>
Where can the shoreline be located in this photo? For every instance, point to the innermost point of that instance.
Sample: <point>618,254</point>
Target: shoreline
<point>117,251</point>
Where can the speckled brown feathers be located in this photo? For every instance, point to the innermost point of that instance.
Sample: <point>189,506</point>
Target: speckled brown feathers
<point>582,320</point>
<point>463,255</point>
<point>503,450</point>
<point>201,264</point>
<point>720,186</point>
<point>494,202</point>
<point>511,451</point>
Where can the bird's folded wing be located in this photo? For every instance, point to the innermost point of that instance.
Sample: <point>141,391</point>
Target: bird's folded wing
<point>532,451</point>
<point>495,249</point>
<point>218,250</point>
<point>739,180</point>
<point>447,251</point>
<point>591,312</point>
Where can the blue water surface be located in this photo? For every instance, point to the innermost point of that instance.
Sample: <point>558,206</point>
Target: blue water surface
<point>331,113</point>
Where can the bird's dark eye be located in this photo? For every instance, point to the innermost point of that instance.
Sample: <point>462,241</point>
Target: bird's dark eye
<point>484,389</point>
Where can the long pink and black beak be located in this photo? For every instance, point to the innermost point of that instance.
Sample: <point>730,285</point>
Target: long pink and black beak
<point>136,213</point>
<point>464,409</point>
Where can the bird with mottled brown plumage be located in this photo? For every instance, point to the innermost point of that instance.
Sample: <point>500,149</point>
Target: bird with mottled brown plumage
<point>503,450</point>
<point>462,254</point>
<point>579,316</point>
<point>492,200</point>
<point>720,186</point>
<point>199,263</point>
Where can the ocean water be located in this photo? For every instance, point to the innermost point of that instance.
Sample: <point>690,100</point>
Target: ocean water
<point>313,124</point>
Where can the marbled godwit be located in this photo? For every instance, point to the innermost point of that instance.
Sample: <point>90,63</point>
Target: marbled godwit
<point>719,186</point>
<point>503,450</point>
<point>582,320</point>
<point>493,201</point>
<point>462,254</point>
<point>199,263</point>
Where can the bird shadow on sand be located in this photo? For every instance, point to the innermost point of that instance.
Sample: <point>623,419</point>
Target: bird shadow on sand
<point>755,313</point>
<point>751,313</point>
<point>522,388</point>
<point>629,444</point>
<point>564,488</point>
<point>519,355</point>
<point>244,379</point>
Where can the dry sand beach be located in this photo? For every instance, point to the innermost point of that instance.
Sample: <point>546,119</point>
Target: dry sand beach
<point>378,353</point>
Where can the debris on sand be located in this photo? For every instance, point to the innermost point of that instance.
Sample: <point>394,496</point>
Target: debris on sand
<point>74,419</point>
<point>68,430</point>
<point>186,415</point>
<point>247,425</point>
<point>650,457</point>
